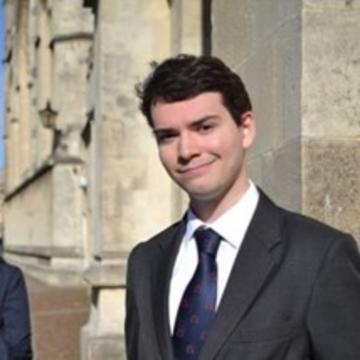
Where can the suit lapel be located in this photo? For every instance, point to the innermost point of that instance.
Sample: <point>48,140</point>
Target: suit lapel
<point>168,249</point>
<point>252,267</point>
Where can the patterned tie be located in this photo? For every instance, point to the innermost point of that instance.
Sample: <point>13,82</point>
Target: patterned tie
<point>198,305</point>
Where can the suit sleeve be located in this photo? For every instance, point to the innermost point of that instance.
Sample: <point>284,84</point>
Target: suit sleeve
<point>15,334</point>
<point>132,318</point>
<point>334,312</point>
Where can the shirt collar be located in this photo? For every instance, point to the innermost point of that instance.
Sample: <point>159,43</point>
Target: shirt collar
<point>232,225</point>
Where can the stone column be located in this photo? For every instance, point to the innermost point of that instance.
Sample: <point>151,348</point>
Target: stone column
<point>186,38</point>
<point>186,29</point>
<point>72,34</point>
<point>129,193</point>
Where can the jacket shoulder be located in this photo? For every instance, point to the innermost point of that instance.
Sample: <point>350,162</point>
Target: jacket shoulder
<point>8,271</point>
<point>299,231</point>
<point>306,226</point>
<point>313,238</point>
<point>155,241</point>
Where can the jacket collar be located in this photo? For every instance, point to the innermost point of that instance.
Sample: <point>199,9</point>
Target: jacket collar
<point>254,264</point>
<point>168,248</point>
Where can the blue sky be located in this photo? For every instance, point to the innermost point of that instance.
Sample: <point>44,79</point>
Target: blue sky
<point>2,56</point>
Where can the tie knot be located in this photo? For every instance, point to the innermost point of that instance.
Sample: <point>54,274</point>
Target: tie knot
<point>207,241</point>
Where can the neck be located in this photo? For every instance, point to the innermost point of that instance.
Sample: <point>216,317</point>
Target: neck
<point>211,209</point>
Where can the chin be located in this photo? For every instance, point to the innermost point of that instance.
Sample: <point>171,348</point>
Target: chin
<point>203,196</point>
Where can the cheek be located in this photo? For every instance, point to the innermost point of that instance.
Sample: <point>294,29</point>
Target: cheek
<point>233,153</point>
<point>224,142</point>
<point>224,146</point>
<point>166,157</point>
<point>213,144</point>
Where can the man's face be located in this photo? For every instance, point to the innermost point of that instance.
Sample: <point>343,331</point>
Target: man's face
<point>201,146</point>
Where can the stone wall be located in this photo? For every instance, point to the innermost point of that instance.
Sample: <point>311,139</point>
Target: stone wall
<point>300,62</point>
<point>331,112</point>
<point>262,42</point>
<point>46,65</point>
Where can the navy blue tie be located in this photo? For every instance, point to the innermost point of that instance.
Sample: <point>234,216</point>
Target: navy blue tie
<point>198,305</point>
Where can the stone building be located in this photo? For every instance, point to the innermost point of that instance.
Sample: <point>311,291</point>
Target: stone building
<point>82,175</point>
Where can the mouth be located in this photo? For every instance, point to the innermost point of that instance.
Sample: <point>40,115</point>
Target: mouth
<point>195,166</point>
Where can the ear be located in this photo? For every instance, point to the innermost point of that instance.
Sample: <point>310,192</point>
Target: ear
<point>248,127</point>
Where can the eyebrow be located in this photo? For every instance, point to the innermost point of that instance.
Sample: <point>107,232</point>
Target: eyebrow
<point>192,124</point>
<point>198,122</point>
<point>163,131</point>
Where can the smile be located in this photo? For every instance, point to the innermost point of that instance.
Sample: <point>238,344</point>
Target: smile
<point>195,166</point>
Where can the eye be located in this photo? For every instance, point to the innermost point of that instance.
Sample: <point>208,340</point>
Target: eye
<point>206,127</point>
<point>165,137</point>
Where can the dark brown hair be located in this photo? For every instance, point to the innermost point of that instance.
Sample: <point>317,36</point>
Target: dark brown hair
<point>186,76</point>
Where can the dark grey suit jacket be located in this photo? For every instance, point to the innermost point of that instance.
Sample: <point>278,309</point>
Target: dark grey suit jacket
<point>15,331</point>
<point>293,294</point>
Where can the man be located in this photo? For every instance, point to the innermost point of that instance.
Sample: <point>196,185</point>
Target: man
<point>237,277</point>
<point>15,333</point>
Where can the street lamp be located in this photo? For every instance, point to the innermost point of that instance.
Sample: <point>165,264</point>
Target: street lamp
<point>48,115</point>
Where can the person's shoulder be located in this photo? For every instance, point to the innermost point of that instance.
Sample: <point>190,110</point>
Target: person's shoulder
<point>158,239</point>
<point>304,230</point>
<point>11,279</point>
<point>314,237</point>
<point>7,270</point>
<point>305,225</point>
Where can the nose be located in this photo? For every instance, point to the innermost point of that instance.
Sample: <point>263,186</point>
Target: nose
<point>187,148</point>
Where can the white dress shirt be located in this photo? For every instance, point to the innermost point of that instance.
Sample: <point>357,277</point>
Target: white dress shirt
<point>231,226</point>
